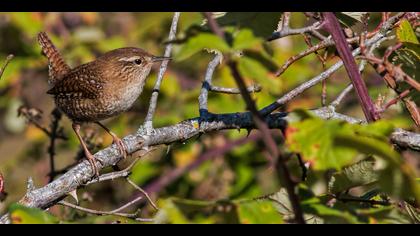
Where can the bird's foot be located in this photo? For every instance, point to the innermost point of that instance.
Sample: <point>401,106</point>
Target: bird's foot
<point>92,160</point>
<point>120,144</point>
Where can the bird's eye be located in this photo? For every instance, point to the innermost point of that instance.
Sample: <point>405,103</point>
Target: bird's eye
<point>137,61</point>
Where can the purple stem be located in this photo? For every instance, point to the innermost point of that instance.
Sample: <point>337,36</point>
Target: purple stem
<point>332,25</point>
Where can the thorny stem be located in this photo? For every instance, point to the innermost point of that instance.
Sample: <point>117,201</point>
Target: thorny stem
<point>333,26</point>
<point>148,123</point>
<point>384,30</point>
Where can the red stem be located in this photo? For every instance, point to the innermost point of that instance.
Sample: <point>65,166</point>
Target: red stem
<point>332,25</point>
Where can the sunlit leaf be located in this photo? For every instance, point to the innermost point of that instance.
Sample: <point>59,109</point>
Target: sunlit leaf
<point>405,33</point>
<point>24,215</point>
<point>258,212</point>
<point>245,39</point>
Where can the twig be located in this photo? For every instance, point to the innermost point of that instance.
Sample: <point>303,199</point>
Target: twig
<point>33,116</point>
<point>6,62</point>
<point>342,95</point>
<point>203,97</point>
<point>362,65</point>
<point>361,200</point>
<point>207,86</point>
<point>286,31</point>
<point>251,89</point>
<point>148,123</point>
<point>143,192</point>
<point>96,212</point>
<point>54,126</point>
<point>395,100</point>
<point>263,127</point>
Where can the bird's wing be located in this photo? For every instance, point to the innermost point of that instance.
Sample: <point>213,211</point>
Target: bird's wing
<point>78,83</point>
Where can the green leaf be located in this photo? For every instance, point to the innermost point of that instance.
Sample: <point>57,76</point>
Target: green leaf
<point>244,176</point>
<point>253,69</point>
<point>405,33</point>
<point>245,39</point>
<point>368,146</point>
<point>258,212</point>
<point>170,213</point>
<point>200,42</point>
<point>399,182</point>
<point>359,174</point>
<point>331,215</point>
<point>409,57</point>
<point>314,140</point>
<point>262,24</point>
<point>20,214</point>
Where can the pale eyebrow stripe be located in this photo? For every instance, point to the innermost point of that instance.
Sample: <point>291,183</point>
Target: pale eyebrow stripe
<point>129,58</point>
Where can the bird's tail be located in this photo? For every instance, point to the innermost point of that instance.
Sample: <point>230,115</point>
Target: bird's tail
<point>57,66</point>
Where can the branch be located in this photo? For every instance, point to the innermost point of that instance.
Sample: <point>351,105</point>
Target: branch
<point>80,174</point>
<point>384,30</point>
<point>286,31</point>
<point>148,123</point>
<point>77,176</point>
<point>205,88</point>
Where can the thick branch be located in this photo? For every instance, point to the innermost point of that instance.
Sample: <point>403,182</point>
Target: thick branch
<point>77,176</point>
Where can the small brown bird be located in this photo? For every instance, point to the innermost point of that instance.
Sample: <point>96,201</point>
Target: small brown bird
<point>99,89</point>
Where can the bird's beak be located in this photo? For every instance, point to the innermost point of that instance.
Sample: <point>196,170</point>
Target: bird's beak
<point>156,59</point>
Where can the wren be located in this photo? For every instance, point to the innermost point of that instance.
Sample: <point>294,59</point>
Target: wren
<point>97,90</point>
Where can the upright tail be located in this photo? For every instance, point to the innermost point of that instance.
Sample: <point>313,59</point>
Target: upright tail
<point>57,66</point>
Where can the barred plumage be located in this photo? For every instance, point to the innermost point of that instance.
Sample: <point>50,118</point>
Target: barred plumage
<point>99,89</point>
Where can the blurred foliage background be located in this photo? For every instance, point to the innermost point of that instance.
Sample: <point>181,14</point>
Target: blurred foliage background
<point>208,190</point>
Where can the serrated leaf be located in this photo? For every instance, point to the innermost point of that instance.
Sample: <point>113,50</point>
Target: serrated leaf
<point>314,140</point>
<point>20,214</point>
<point>349,19</point>
<point>359,174</point>
<point>200,42</point>
<point>405,33</point>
